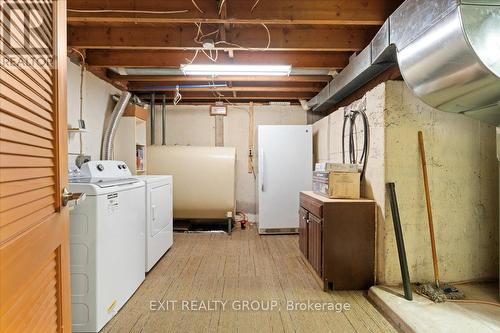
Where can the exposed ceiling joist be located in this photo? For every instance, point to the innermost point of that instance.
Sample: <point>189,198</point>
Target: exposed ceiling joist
<point>315,39</point>
<point>338,12</point>
<point>159,97</point>
<point>156,37</point>
<point>184,78</point>
<point>134,87</point>
<point>173,59</point>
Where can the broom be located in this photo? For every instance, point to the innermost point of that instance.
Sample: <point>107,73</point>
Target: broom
<point>433,291</point>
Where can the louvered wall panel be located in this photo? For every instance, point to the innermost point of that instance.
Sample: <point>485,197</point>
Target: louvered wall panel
<point>28,312</point>
<point>27,137</point>
<point>34,264</point>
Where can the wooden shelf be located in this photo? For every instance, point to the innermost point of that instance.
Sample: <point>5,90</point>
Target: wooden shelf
<point>136,111</point>
<point>77,130</point>
<point>130,142</point>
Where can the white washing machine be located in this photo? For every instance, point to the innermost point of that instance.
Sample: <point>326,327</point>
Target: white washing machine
<point>107,243</point>
<point>159,215</point>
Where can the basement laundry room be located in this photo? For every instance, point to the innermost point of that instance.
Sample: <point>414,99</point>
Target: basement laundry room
<point>249,166</point>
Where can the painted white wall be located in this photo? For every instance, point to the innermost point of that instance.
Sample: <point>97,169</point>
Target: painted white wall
<point>97,107</point>
<point>193,126</point>
<point>463,173</point>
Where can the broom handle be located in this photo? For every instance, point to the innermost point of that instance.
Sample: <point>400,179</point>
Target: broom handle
<point>429,209</point>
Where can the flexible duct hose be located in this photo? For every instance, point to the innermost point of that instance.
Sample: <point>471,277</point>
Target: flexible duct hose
<point>109,134</point>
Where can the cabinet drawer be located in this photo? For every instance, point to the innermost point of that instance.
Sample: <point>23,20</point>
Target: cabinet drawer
<point>314,206</point>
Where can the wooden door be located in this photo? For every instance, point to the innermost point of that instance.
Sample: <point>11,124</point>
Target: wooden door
<point>303,220</point>
<point>315,245</point>
<point>34,240</point>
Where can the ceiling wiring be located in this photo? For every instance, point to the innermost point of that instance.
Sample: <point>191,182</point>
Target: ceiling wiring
<point>196,6</point>
<point>221,6</point>
<point>190,61</point>
<point>125,11</point>
<point>82,71</point>
<point>254,5</point>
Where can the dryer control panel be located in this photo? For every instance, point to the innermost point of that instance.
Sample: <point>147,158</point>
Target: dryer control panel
<point>105,169</point>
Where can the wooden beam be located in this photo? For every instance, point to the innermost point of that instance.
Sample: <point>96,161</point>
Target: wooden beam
<point>181,37</point>
<point>187,94</point>
<point>332,12</point>
<point>173,59</point>
<point>102,73</point>
<point>195,78</point>
<point>233,88</point>
<point>147,97</point>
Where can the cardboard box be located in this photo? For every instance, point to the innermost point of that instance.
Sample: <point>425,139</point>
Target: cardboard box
<point>336,167</point>
<point>337,185</point>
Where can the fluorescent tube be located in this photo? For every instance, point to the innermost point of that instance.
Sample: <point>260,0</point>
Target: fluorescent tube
<point>215,69</point>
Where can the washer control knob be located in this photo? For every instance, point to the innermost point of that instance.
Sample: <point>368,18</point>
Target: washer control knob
<point>100,167</point>
<point>124,166</point>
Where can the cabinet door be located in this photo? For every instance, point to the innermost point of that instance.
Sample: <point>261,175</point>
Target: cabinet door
<point>303,219</point>
<point>315,243</point>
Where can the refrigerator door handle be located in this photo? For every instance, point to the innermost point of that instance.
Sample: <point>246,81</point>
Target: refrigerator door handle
<point>262,170</point>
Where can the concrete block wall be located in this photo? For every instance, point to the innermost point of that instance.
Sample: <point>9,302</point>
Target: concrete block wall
<point>463,173</point>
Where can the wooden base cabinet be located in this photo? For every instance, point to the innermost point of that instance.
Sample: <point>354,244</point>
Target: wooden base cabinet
<point>337,237</point>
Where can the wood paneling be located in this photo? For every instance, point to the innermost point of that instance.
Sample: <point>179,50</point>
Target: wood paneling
<point>34,242</point>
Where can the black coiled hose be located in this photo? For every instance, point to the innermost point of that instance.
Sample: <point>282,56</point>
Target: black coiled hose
<point>350,118</point>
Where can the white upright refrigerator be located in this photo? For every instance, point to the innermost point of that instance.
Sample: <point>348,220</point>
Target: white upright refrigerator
<point>285,168</point>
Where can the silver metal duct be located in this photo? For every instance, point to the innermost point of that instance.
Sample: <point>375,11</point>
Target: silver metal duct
<point>448,52</point>
<point>109,134</point>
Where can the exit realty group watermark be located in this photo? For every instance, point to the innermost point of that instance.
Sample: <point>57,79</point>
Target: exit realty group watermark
<point>246,305</point>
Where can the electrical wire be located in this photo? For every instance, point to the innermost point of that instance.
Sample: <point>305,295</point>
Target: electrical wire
<point>190,61</point>
<point>254,5</point>
<point>220,7</point>
<point>125,11</point>
<point>196,5</point>
<point>82,71</point>
<point>350,119</point>
<point>200,36</point>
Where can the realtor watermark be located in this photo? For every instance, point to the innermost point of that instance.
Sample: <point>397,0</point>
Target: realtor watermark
<point>247,305</point>
<point>26,34</point>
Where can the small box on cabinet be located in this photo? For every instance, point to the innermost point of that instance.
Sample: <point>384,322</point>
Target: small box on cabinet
<point>337,185</point>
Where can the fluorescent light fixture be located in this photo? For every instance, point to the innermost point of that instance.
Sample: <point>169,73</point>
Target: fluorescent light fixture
<point>214,70</point>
